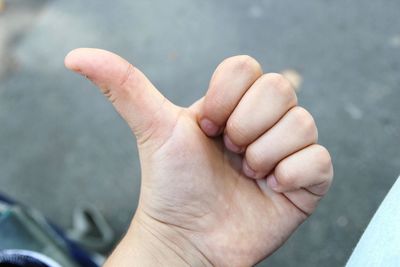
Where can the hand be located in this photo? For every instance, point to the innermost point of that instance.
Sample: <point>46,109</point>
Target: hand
<point>225,181</point>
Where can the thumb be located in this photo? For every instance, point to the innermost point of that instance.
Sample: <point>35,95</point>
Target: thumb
<point>134,97</point>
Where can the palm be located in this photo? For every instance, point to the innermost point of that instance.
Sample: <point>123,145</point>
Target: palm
<point>204,181</point>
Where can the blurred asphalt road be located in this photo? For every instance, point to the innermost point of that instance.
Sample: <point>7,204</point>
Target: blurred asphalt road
<point>62,144</point>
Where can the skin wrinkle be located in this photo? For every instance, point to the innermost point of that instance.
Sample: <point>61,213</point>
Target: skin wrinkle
<point>312,193</point>
<point>291,153</point>
<point>143,140</point>
<point>259,186</point>
<point>150,230</point>
<point>294,204</point>
<point>108,93</point>
<point>167,223</point>
<point>308,188</point>
<point>181,235</point>
<point>283,194</point>
<point>129,71</point>
<point>179,115</point>
<point>170,209</point>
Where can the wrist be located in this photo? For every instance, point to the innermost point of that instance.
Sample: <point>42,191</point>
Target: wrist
<point>149,242</point>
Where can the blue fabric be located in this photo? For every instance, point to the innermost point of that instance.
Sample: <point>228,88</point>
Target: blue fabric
<point>17,260</point>
<point>75,252</point>
<point>379,246</point>
<point>5,199</point>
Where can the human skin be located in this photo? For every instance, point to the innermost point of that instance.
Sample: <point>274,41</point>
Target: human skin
<point>225,181</point>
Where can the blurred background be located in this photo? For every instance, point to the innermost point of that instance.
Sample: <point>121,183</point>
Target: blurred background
<point>62,144</point>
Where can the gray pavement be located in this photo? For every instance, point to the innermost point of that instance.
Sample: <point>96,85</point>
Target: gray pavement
<point>62,144</point>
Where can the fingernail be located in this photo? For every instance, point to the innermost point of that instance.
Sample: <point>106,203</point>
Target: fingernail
<point>247,170</point>
<point>209,127</point>
<point>231,146</point>
<point>272,182</point>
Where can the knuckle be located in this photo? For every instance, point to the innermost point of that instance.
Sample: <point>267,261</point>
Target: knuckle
<point>236,131</point>
<point>277,80</point>
<point>255,158</point>
<point>325,162</point>
<point>246,63</point>
<point>302,116</point>
<point>216,101</point>
<point>281,86</point>
<point>306,123</point>
<point>284,175</point>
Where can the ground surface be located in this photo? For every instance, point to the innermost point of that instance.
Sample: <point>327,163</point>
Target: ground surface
<point>61,143</point>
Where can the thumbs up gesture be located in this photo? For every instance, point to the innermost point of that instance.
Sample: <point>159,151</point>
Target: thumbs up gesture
<point>224,181</point>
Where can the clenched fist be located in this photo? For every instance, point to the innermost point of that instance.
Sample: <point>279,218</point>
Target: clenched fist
<point>225,181</point>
